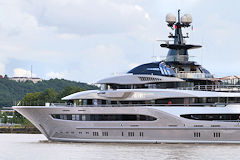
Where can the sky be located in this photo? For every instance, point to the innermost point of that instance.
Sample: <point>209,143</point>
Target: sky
<point>87,40</point>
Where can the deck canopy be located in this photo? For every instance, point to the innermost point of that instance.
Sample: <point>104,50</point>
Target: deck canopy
<point>145,94</point>
<point>138,79</point>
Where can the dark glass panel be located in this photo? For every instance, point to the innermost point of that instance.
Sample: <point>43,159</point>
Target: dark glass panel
<point>213,117</point>
<point>104,117</point>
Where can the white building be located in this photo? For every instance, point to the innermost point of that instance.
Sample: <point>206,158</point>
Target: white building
<point>230,79</point>
<point>24,79</point>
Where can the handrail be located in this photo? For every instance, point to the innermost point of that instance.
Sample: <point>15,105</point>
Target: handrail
<point>139,105</point>
<point>212,88</point>
<point>130,105</point>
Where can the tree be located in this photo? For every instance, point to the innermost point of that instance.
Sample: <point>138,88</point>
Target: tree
<point>12,91</point>
<point>27,123</point>
<point>49,95</point>
<point>5,76</point>
<point>4,119</point>
<point>31,99</point>
<point>18,118</point>
<point>39,99</point>
<point>67,91</point>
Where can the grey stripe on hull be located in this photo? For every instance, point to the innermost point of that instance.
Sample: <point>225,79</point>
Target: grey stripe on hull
<point>164,128</point>
<point>140,141</point>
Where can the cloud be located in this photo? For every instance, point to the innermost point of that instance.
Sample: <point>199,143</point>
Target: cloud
<point>3,62</point>
<point>87,18</point>
<point>16,21</point>
<point>95,63</point>
<point>20,72</point>
<point>9,48</point>
<point>2,69</point>
<point>59,75</point>
<point>133,65</point>
<point>68,36</point>
<point>89,40</point>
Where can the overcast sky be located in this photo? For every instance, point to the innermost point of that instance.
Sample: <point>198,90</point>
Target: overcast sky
<point>86,40</point>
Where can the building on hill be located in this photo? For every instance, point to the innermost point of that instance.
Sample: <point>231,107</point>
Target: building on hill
<point>231,80</point>
<point>24,79</point>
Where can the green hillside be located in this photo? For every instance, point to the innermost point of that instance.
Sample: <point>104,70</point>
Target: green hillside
<point>11,91</point>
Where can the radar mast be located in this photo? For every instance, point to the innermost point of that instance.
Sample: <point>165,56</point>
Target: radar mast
<point>178,51</point>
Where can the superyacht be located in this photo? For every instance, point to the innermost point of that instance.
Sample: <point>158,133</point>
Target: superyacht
<point>171,101</point>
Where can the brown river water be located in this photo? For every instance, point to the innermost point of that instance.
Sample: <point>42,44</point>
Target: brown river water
<point>36,147</point>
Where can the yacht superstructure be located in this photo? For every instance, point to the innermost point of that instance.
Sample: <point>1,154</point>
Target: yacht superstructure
<point>153,103</point>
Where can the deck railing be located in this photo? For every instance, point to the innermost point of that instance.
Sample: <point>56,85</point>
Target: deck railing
<point>218,88</point>
<point>144,105</point>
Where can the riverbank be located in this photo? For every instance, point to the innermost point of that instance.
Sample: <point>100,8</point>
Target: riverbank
<point>25,130</point>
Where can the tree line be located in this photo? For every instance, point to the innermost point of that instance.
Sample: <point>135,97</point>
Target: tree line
<point>37,98</point>
<point>50,95</point>
<point>11,92</point>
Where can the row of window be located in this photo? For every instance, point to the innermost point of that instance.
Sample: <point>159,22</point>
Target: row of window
<point>193,100</point>
<point>141,86</point>
<point>95,133</point>
<point>130,134</point>
<point>196,134</point>
<point>103,117</point>
<point>104,133</point>
<point>215,134</point>
<point>213,117</point>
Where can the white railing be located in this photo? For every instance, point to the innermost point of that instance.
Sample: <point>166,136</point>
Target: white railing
<point>144,105</point>
<point>219,88</point>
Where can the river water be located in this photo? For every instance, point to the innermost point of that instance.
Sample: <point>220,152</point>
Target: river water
<point>36,147</point>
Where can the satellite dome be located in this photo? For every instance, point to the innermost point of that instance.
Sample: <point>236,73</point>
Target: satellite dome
<point>184,20</point>
<point>170,19</point>
<point>189,18</point>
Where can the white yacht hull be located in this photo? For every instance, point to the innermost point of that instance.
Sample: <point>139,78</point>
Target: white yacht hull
<point>168,128</point>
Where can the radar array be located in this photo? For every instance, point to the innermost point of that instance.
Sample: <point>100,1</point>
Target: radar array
<point>184,21</point>
<point>178,51</point>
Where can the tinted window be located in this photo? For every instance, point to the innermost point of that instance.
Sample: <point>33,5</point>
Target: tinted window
<point>104,117</point>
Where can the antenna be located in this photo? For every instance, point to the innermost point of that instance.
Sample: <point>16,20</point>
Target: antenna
<point>179,15</point>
